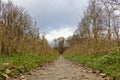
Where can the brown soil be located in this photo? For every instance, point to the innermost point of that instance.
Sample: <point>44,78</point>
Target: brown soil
<point>62,69</point>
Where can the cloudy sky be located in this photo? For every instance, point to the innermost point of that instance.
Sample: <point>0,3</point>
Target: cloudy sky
<point>56,18</point>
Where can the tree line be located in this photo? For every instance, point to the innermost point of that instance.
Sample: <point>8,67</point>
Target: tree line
<point>19,33</point>
<point>98,29</point>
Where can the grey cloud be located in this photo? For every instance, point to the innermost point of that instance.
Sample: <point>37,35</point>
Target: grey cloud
<point>53,14</point>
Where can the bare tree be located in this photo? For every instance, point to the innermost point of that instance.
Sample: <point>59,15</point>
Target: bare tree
<point>110,6</point>
<point>95,31</point>
<point>60,44</point>
<point>19,32</point>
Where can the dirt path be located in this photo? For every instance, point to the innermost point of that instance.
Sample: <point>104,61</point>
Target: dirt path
<point>62,69</point>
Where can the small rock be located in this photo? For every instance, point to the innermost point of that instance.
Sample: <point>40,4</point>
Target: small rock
<point>5,64</point>
<point>7,71</point>
<point>33,70</point>
<point>103,75</point>
<point>22,76</point>
<point>6,76</point>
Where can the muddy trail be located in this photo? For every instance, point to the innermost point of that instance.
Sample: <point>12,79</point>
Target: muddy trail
<point>63,69</point>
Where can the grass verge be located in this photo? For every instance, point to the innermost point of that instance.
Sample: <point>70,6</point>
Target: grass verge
<point>10,66</point>
<point>107,63</point>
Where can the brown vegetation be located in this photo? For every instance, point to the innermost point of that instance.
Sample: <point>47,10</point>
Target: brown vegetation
<point>98,30</point>
<point>19,33</point>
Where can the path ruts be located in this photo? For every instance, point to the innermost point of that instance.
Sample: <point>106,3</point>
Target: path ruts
<point>62,69</point>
